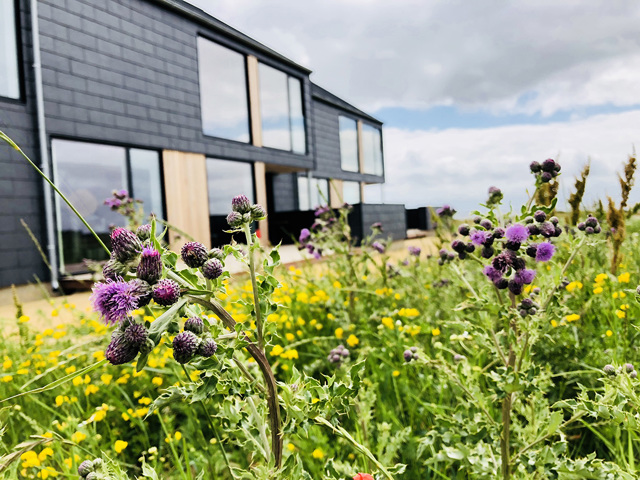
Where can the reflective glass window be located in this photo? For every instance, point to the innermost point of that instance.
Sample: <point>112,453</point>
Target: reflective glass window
<point>348,144</point>
<point>146,180</point>
<point>312,192</point>
<point>372,150</point>
<point>351,192</point>
<point>281,110</point>
<point>9,74</point>
<point>223,92</point>
<point>226,179</point>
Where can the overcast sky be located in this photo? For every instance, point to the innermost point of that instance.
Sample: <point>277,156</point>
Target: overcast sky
<point>470,92</point>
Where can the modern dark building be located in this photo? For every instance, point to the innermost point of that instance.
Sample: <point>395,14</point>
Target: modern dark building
<point>183,111</point>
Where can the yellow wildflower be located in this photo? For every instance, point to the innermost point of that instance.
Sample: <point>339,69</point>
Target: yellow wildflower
<point>601,277</point>
<point>157,381</point>
<point>276,351</point>
<point>90,389</point>
<point>44,453</point>
<point>23,319</point>
<point>352,341</point>
<point>78,437</point>
<point>572,317</point>
<point>388,322</point>
<point>120,445</point>
<point>608,333</point>
<point>435,332</point>
<point>106,378</point>
<point>396,373</point>
<point>290,337</point>
<point>318,453</point>
<point>597,290</point>
<point>339,333</point>
<point>30,459</point>
<point>290,446</point>
<point>554,323</point>
<point>7,379</point>
<point>574,285</point>
<point>620,314</point>
<point>624,277</point>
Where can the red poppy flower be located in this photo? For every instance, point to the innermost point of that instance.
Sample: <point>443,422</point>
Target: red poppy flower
<point>363,476</point>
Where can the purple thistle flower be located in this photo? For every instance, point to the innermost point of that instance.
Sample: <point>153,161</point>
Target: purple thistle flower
<point>377,226</point>
<point>322,210</point>
<point>305,235</point>
<point>85,468</point>
<point>135,335</point>
<point>125,244</point>
<point>446,211</point>
<point>413,250</point>
<point>515,285</point>
<point>479,237</point>
<point>498,232</point>
<point>114,300</point>
<point>545,252</point>
<point>150,266</point>
<point>492,273</point>
<point>525,276</point>
<point>517,233</point>
<point>503,261</point>
<point>185,345</point>
<point>241,204</point>
<point>378,247</point>
<point>194,254</point>
<point>166,292</point>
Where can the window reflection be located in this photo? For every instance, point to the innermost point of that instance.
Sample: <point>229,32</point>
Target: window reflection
<point>372,150</point>
<point>312,192</point>
<point>225,180</point>
<point>9,77</point>
<point>281,110</point>
<point>351,192</point>
<point>223,92</point>
<point>146,180</point>
<point>348,144</point>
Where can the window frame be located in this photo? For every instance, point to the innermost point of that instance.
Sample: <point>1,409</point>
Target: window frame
<point>355,121</point>
<point>127,148</point>
<point>302,104</point>
<point>378,129</point>
<point>245,56</point>
<point>21,99</point>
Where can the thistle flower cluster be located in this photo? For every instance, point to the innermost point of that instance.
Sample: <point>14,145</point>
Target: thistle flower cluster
<point>129,339</point>
<point>338,355</point>
<point>546,171</point>
<point>193,340</point>
<point>539,225</point>
<point>121,202</point>
<point>590,225</point>
<point>627,368</point>
<point>91,469</point>
<point>378,247</point>
<point>495,196</point>
<point>410,354</point>
<point>210,262</point>
<point>446,211</point>
<point>243,213</point>
<point>414,251</point>
<point>527,307</point>
<point>445,256</point>
<point>324,227</point>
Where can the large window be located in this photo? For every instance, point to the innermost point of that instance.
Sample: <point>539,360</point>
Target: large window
<point>9,72</point>
<point>281,110</point>
<point>372,150</point>
<point>227,179</point>
<point>351,193</point>
<point>312,192</point>
<point>87,173</point>
<point>223,92</point>
<point>348,144</point>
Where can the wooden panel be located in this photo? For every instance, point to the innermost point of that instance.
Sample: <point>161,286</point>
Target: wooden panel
<point>335,193</point>
<point>261,198</point>
<point>254,100</point>
<point>185,184</point>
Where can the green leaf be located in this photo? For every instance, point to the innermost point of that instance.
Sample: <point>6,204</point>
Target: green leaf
<point>555,420</point>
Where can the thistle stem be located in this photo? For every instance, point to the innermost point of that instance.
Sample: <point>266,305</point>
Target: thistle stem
<point>254,287</point>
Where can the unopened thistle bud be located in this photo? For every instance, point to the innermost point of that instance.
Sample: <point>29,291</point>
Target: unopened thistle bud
<point>217,253</point>
<point>234,219</point>
<point>144,232</point>
<point>241,204</point>
<point>207,347</point>
<point>114,269</point>
<point>212,269</point>
<point>185,345</point>
<point>135,335</point>
<point>257,212</point>
<point>195,325</point>
<point>119,350</point>
<point>166,292</point>
<point>194,254</point>
<point>150,266</point>
<point>126,245</point>
<point>609,370</point>
<point>85,468</point>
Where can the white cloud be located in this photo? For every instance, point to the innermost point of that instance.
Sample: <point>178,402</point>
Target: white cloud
<point>457,166</point>
<point>416,54</point>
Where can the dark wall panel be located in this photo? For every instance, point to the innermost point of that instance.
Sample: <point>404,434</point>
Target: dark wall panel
<point>20,185</point>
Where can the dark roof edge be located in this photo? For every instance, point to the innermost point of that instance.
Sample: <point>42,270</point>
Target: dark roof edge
<point>321,94</point>
<point>201,16</point>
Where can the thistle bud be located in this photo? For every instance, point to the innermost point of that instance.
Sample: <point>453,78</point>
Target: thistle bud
<point>85,468</point>
<point>234,219</point>
<point>194,254</point>
<point>119,350</point>
<point>609,370</point>
<point>217,253</point>
<point>126,245</point>
<point>114,269</point>
<point>241,204</point>
<point>144,232</point>
<point>540,216</point>
<point>195,325</point>
<point>150,266</point>
<point>185,345</point>
<point>147,346</point>
<point>142,290</point>
<point>212,269</point>
<point>207,348</point>
<point>257,212</point>
<point>135,335</point>
<point>166,292</point>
